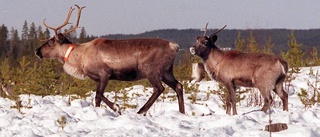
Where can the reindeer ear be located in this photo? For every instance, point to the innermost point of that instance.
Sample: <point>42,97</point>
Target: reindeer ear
<point>213,38</point>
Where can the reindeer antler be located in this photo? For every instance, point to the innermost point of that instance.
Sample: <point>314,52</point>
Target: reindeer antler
<point>218,31</point>
<point>205,29</point>
<point>62,25</point>
<point>78,20</point>
<point>66,22</point>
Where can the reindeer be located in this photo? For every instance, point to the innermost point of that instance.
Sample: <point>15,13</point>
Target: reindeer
<point>234,69</point>
<point>198,72</point>
<point>127,60</point>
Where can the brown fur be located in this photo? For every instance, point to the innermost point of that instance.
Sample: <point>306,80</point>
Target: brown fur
<point>234,69</point>
<point>129,59</point>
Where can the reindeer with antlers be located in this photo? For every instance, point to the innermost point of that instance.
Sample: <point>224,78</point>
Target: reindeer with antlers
<point>128,59</point>
<point>234,69</point>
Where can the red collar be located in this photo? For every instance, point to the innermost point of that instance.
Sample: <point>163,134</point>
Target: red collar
<point>66,56</point>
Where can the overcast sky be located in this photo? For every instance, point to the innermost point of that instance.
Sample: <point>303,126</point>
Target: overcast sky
<point>137,16</point>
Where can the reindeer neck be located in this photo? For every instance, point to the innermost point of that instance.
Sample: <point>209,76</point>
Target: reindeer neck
<point>215,56</point>
<point>73,65</point>
<point>71,58</point>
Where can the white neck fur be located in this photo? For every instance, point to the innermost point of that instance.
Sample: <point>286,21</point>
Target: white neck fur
<point>74,71</point>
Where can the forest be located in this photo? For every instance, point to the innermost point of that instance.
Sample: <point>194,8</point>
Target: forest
<point>24,73</point>
<point>279,37</point>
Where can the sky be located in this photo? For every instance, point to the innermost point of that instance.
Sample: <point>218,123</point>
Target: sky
<point>102,17</point>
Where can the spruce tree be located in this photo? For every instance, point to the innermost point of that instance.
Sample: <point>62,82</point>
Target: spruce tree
<point>23,74</point>
<point>72,35</point>
<point>32,38</point>
<point>315,61</point>
<point>6,74</point>
<point>240,43</point>
<point>252,44</point>
<point>46,34</point>
<point>83,36</point>
<point>70,85</point>
<point>35,84</point>
<point>294,56</point>
<point>47,78</point>
<point>184,69</point>
<point>268,48</point>
<point>24,39</point>
<point>40,34</point>
<point>14,44</point>
<point>3,39</point>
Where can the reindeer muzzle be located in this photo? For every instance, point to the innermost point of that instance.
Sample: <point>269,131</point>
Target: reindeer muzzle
<point>192,50</point>
<point>38,53</point>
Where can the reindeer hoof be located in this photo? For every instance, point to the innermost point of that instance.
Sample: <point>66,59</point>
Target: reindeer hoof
<point>142,113</point>
<point>116,108</point>
<point>264,109</point>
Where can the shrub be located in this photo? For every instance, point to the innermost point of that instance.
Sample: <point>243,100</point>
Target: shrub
<point>310,96</point>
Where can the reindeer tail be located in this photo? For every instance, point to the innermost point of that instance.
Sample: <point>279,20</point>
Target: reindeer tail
<point>284,66</point>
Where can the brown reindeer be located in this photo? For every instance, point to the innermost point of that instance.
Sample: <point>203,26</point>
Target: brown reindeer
<point>128,60</point>
<point>234,69</point>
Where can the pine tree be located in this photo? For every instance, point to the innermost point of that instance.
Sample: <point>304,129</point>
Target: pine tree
<point>89,38</point>
<point>314,57</point>
<point>268,49</point>
<point>24,76</point>
<point>24,39</point>
<point>294,55</point>
<point>310,96</point>
<point>70,85</point>
<point>83,36</point>
<point>3,39</point>
<point>47,78</point>
<point>72,35</point>
<point>32,38</point>
<point>6,74</point>
<point>35,84</point>
<point>240,43</point>
<point>25,30</point>
<point>184,69</point>
<point>40,33</point>
<point>14,43</point>
<point>252,45</point>
<point>46,34</point>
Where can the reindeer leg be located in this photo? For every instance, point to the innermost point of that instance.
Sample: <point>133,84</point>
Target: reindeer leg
<point>283,95</point>
<point>267,99</point>
<point>101,85</point>
<point>228,104</point>
<point>157,90</point>
<point>267,103</point>
<point>234,102</point>
<point>98,98</point>
<point>232,97</point>
<point>169,79</point>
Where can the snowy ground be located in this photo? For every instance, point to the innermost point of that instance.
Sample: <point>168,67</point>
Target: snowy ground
<point>206,117</point>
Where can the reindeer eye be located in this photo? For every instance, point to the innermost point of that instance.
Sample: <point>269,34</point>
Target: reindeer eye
<point>205,42</point>
<point>50,42</point>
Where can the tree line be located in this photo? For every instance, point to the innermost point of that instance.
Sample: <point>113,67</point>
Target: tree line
<point>279,37</point>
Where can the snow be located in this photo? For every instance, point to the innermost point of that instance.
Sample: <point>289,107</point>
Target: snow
<point>206,117</point>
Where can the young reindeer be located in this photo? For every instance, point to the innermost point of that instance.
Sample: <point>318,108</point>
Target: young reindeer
<point>129,59</point>
<point>234,69</point>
